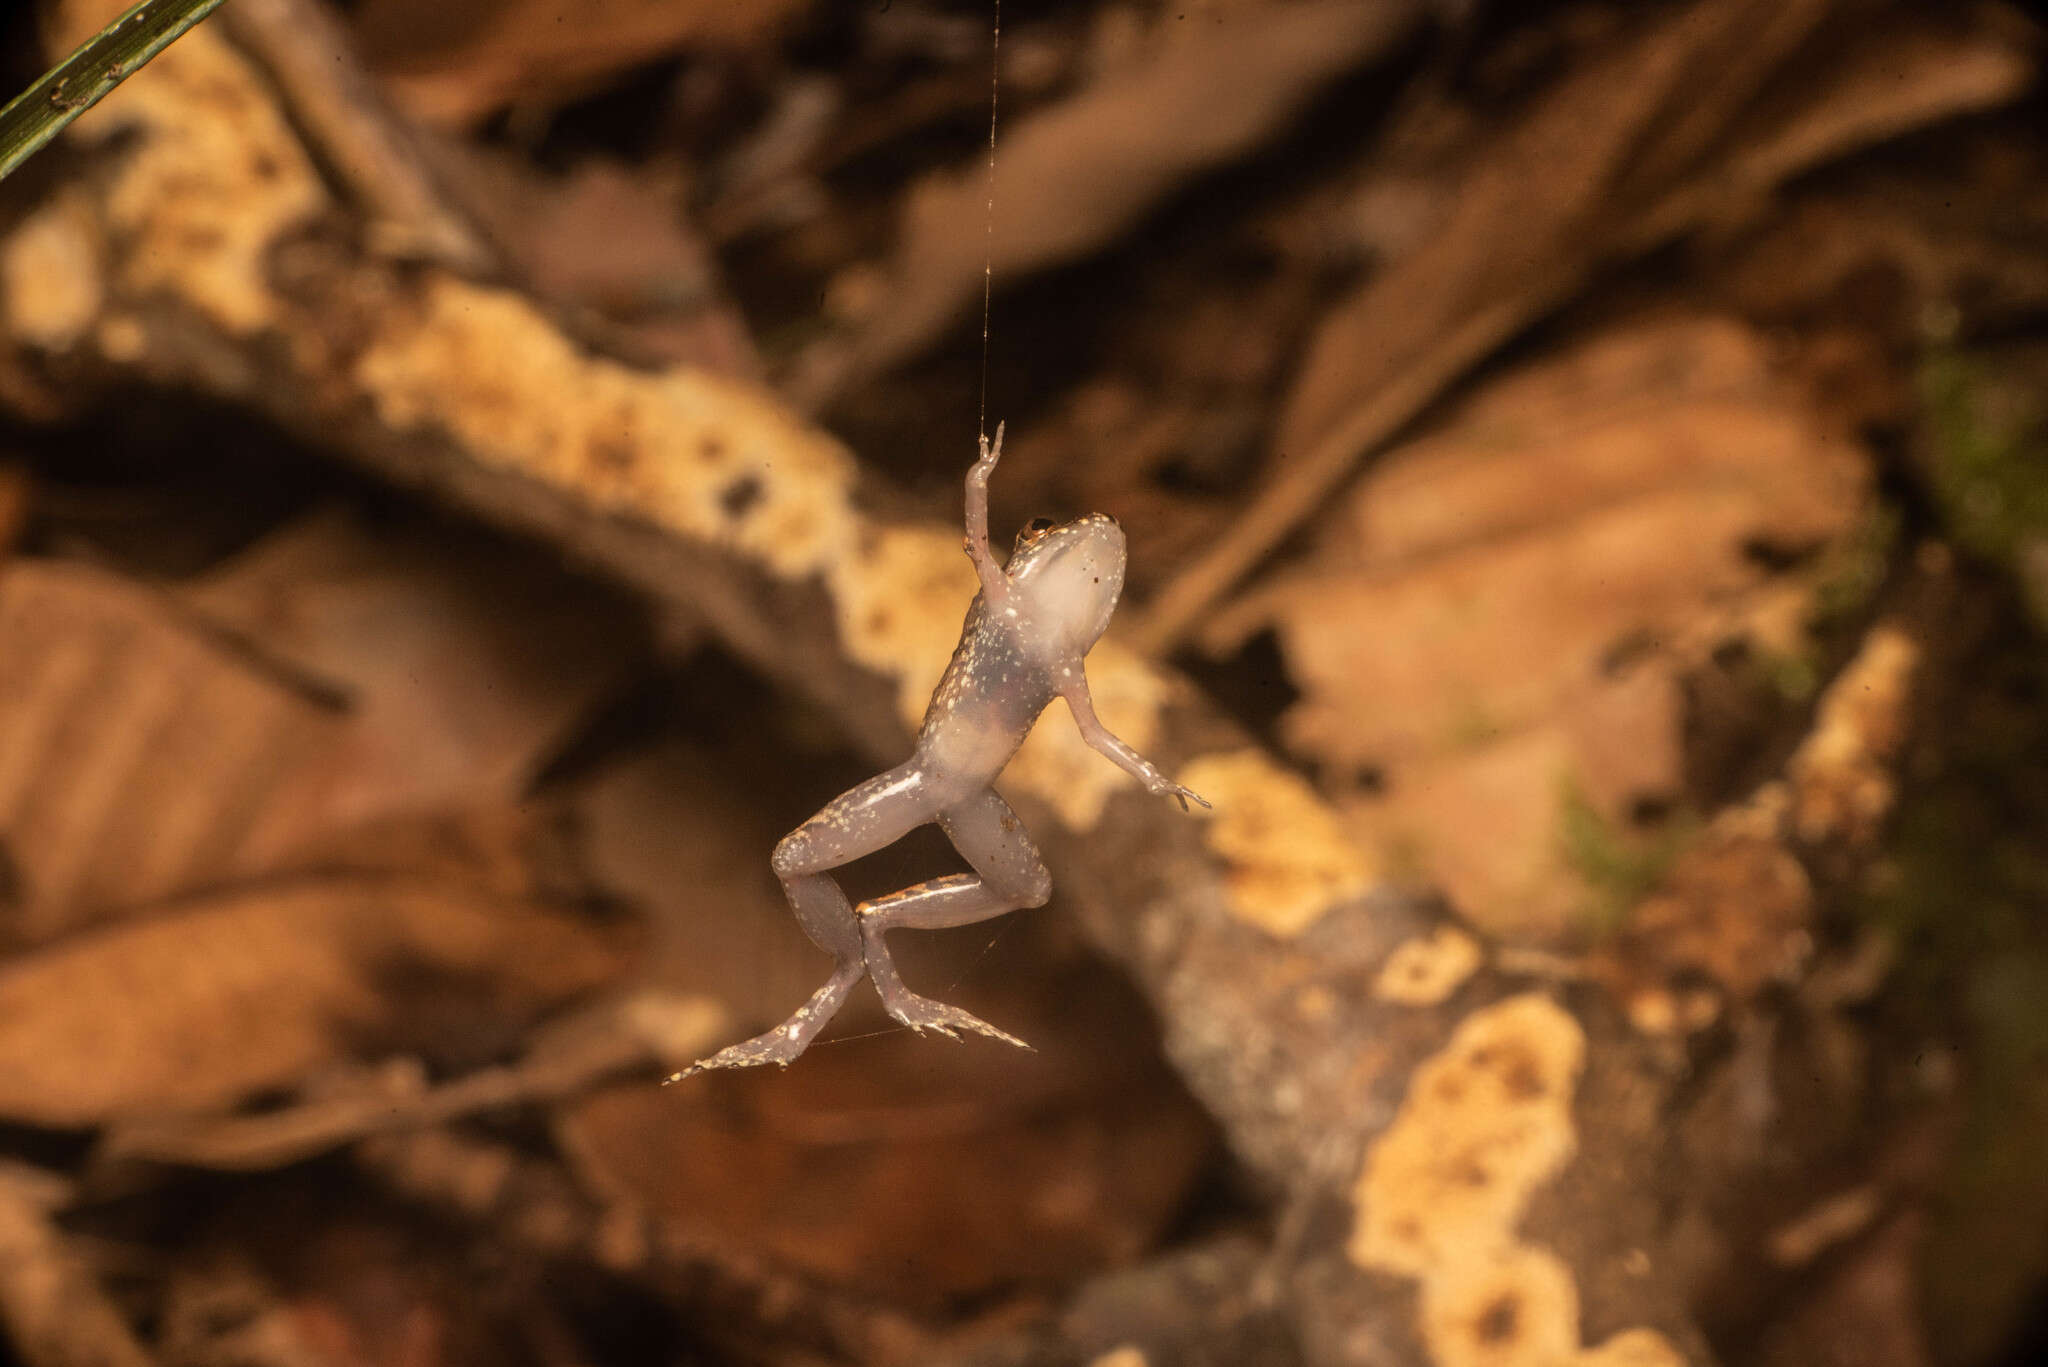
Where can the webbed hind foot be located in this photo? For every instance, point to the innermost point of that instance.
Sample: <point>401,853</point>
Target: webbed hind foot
<point>922,1013</point>
<point>782,1045</point>
<point>779,1046</point>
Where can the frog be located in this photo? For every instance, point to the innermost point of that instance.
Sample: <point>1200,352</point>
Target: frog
<point>1024,642</point>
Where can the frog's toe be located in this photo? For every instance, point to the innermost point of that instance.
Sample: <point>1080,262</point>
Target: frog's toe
<point>779,1046</point>
<point>922,1013</point>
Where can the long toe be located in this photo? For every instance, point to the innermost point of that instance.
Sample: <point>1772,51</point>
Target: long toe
<point>774,1047</point>
<point>921,1013</point>
<point>982,1027</point>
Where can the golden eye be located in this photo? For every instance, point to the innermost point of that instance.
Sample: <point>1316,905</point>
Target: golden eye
<point>1034,531</point>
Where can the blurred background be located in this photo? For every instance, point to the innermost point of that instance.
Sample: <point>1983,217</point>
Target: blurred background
<point>473,476</point>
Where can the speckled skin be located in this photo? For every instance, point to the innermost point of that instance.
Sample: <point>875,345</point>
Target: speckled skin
<point>1024,642</point>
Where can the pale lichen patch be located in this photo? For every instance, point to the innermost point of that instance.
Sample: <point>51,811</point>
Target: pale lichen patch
<point>1287,860</point>
<point>1441,1198</point>
<point>217,177</point>
<point>1130,1355</point>
<point>50,278</point>
<point>485,367</point>
<point>1486,1122</point>
<point>1842,784</point>
<point>1521,1309</point>
<point>1425,969</point>
<point>1517,1306</point>
<point>1632,1348</point>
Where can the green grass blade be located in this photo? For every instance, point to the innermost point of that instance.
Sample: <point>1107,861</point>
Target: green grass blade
<point>83,79</point>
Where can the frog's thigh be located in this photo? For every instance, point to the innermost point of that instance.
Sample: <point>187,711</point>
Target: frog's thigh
<point>993,841</point>
<point>1008,874</point>
<point>858,822</point>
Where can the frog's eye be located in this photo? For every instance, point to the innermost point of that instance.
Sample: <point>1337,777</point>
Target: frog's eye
<point>1034,530</point>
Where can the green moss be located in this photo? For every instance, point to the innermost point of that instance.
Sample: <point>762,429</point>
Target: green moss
<point>1852,569</point>
<point>1618,867</point>
<point>1793,677</point>
<point>1989,448</point>
<point>1472,727</point>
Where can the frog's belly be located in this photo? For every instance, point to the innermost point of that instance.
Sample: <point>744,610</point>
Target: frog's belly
<point>972,754</point>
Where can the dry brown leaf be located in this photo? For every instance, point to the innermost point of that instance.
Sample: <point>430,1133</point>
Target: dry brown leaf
<point>1507,605</point>
<point>138,758</point>
<point>459,60</point>
<point>206,1004</point>
<point>667,831</point>
<point>890,1166</point>
<point>1075,176</point>
<point>464,664</point>
<point>1694,121</point>
<point>528,852</point>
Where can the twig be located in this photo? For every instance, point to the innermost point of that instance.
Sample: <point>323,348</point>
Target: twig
<point>83,79</point>
<point>644,1033</point>
<point>368,145</point>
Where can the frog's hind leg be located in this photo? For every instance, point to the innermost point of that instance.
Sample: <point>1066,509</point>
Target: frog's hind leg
<point>1008,875</point>
<point>858,822</point>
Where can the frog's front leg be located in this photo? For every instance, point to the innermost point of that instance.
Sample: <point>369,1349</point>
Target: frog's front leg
<point>1106,743</point>
<point>858,822</point>
<point>995,587</point>
<point>1008,875</point>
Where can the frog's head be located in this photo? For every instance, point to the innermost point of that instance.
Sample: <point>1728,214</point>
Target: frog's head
<point>1071,573</point>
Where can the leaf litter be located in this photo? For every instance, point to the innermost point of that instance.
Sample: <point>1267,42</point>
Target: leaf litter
<point>1605,645</point>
